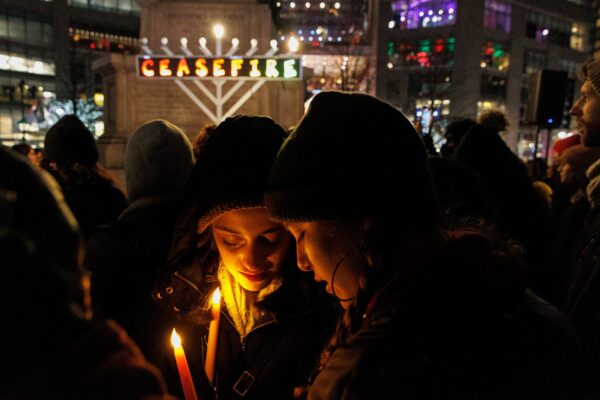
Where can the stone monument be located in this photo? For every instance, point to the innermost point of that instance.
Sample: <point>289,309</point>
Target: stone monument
<point>131,101</point>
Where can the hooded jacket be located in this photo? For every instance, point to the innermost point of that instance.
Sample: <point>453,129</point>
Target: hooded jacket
<point>50,345</point>
<point>460,325</point>
<point>280,352</point>
<point>277,350</point>
<point>126,256</point>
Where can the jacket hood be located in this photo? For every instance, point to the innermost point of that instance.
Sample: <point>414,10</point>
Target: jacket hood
<point>41,247</point>
<point>70,141</point>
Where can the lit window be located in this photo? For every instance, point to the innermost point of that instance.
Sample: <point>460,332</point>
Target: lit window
<point>544,28</point>
<point>413,14</point>
<point>497,15</point>
<point>422,53</point>
<point>495,55</point>
<point>578,37</point>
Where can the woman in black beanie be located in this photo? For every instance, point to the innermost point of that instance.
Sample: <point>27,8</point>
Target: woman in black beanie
<point>426,316</point>
<point>273,325</point>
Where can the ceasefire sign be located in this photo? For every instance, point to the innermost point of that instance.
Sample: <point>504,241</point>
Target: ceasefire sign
<point>155,67</point>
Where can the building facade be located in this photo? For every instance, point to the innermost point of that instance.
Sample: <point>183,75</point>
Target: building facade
<point>335,39</point>
<point>440,60</point>
<point>46,51</point>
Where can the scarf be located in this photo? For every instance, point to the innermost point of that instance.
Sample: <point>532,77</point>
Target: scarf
<point>593,188</point>
<point>243,312</point>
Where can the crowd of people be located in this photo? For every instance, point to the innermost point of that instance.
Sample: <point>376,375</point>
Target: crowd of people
<point>353,260</point>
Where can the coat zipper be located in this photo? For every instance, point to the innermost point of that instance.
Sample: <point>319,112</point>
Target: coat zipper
<point>243,338</point>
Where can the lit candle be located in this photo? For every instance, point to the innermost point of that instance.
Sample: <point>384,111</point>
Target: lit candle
<point>213,337</point>
<point>189,391</point>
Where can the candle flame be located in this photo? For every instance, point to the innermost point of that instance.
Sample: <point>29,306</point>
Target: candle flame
<point>175,339</point>
<point>216,297</point>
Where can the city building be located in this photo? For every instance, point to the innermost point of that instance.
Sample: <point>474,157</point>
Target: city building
<point>440,60</point>
<point>46,50</point>
<point>335,40</point>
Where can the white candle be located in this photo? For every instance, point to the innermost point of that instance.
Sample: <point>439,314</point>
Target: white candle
<point>213,337</point>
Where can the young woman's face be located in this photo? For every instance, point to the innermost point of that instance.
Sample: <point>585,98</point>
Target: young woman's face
<point>321,246</point>
<point>252,247</point>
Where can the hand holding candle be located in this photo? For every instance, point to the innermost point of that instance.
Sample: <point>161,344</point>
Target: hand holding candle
<point>189,391</point>
<point>213,337</point>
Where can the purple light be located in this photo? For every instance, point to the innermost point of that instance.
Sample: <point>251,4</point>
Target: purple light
<point>412,13</point>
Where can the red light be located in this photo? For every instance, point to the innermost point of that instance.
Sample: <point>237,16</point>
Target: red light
<point>92,45</point>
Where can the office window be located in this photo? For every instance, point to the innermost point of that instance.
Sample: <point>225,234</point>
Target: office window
<point>534,61</point>
<point>16,27</point>
<point>33,30</point>
<point>578,37</point>
<point>497,15</point>
<point>47,33</point>
<point>3,25</point>
<point>118,6</point>
<point>495,55</point>
<point>78,3</point>
<point>493,87</point>
<point>421,53</point>
<point>571,67</point>
<point>548,29</point>
<point>412,14</point>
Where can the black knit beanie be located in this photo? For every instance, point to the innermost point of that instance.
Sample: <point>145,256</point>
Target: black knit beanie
<point>232,170</point>
<point>352,155</point>
<point>70,141</point>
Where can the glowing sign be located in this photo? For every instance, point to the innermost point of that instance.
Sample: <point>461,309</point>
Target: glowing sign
<point>155,67</point>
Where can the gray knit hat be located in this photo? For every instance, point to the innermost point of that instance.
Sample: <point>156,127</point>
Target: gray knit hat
<point>158,160</point>
<point>591,72</point>
<point>352,155</point>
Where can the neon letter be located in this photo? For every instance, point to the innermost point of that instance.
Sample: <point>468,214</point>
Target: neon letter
<point>254,72</point>
<point>288,69</point>
<point>218,67</point>
<point>147,68</point>
<point>236,65</point>
<point>182,68</point>
<point>163,67</point>
<point>271,71</point>
<point>201,69</point>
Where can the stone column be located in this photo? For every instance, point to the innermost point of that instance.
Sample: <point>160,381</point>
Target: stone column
<point>466,74</point>
<point>515,75</point>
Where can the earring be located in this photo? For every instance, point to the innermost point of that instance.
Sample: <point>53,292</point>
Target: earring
<point>362,281</point>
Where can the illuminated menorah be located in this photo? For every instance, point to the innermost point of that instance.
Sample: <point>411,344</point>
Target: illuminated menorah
<point>219,98</point>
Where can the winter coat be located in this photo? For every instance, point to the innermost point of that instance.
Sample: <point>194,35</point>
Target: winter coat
<point>461,325</point>
<point>513,204</point>
<point>50,347</point>
<point>582,302</point>
<point>93,199</point>
<point>102,363</point>
<point>280,352</point>
<point>124,259</point>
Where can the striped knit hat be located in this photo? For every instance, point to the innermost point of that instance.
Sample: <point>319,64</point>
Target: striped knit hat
<point>591,72</point>
<point>232,170</point>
